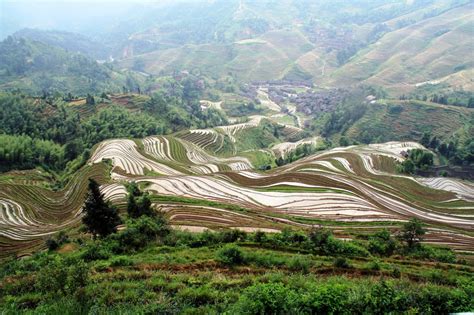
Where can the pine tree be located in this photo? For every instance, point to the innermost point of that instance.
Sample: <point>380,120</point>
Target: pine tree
<point>101,218</point>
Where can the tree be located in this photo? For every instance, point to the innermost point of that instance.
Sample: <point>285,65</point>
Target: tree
<point>101,218</point>
<point>90,100</point>
<point>407,166</point>
<point>412,232</point>
<point>138,203</point>
<point>470,103</point>
<point>425,140</point>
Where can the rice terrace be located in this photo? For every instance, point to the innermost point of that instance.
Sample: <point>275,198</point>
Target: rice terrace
<point>237,157</point>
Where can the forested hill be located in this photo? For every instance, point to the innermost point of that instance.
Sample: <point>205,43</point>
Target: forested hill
<point>72,42</point>
<point>34,67</point>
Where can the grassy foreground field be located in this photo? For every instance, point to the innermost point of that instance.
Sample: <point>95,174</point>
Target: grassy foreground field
<point>231,272</point>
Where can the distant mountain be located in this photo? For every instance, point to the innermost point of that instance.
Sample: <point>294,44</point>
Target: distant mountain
<point>433,51</point>
<point>399,45</point>
<point>72,42</point>
<point>396,44</point>
<point>33,67</point>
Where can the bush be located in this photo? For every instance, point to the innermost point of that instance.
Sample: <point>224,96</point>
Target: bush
<point>62,278</point>
<point>382,297</point>
<point>341,262</point>
<point>141,232</point>
<point>264,259</point>
<point>231,236</point>
<point>96,251</point>
<point>440,254</point>
<point>299,263</point>
<point>230,255</point>
<point>267,298</point>
<point>52,244</point>
<point>329,298</point>
<point>373,265</point>
<point>260,237</point>
<point>121,261</point>
<point>396,273</point>
<point>56,241</point>
<point>382,243</point>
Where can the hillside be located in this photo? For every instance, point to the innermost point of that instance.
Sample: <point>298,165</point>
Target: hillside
<point>425,42</point>
<point>183,173</point>
<point>72,42</point>
<point>400,46</point>
<point>33,67</point>
<point>237,157</point>
<point>408,120</point>
<point>431,50</point>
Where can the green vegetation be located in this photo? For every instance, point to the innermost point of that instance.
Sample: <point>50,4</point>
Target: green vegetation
<point>456,151</point>
<point>149,268</point>
<point>417,159</point>
<point>35,68</point>
<point>112,234</point>
<point>100,217</point>
<point>49,132</point>
<point>299,153</point>
<point>138,203</point>
<point>412,232</point>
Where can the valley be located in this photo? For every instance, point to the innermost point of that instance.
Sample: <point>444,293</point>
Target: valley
<point>237,157</point>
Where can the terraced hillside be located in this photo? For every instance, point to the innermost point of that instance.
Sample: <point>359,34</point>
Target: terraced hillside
<point>429,52</point>
<point>407,120</point>
<point>398,45</point>
<point>202,189</point>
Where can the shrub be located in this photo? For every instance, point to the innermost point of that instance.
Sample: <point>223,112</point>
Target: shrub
<point>260,237</point>
<point>56,241</point>
<point>264,259</point>
<point>231,236</point>
<point>267,298</point>
<point>396,273</point>
<point>373,265</point>
<point>382,297</point>
<point>329,298</point>
<point>52,244</point>
<point>230,255</point>
<point>341,262</point>
<point>121,261</point>
<point>96,251</point>
<point>433,253</point>
<point>382,243</point>
<point>141,232</point>
<point>61,278</point>
<point>299,263</point>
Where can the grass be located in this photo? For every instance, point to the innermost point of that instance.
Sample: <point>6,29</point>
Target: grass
<point>183,279</point>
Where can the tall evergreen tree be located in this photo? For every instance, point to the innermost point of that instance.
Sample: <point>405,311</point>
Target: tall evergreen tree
<point>101,218</point>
